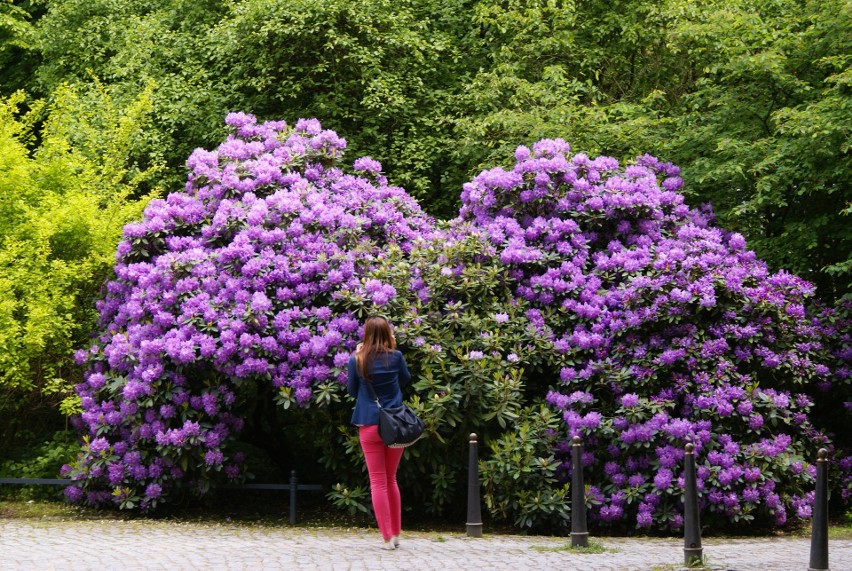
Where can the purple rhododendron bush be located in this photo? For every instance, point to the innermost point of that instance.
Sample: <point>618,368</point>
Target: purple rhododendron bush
<point>228,283</point>
<point>571,297</point>
<point>664,330</point>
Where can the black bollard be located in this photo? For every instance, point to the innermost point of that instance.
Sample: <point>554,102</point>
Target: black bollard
<point>294,487</point>
<point>819,524</point>
<point>474,514</point>
<point>579,532</point>
<point>692,551</point>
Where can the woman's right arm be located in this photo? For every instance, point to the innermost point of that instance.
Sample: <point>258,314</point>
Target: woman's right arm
<point>404,375</point>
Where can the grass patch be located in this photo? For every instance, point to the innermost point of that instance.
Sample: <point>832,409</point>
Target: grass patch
<point>838,528</point>
<point>841,529</point>
<point>41,509</point>
<point>593,547</point>
<point>682,566</point>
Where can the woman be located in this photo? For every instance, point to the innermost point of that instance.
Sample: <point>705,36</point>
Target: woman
<point>377,363</point>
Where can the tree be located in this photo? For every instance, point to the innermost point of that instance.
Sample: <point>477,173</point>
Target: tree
<point>18,52</point>
<point>767,136</point>
<point>131,46</point>
<point>62,213</point>
<point>383,71</point>
<point>750,98</point>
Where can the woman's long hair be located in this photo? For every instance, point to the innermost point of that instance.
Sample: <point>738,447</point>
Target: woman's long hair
<point>378,338</point>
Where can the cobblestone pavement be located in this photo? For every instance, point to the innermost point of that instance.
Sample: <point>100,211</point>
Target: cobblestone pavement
<point>57,545</point>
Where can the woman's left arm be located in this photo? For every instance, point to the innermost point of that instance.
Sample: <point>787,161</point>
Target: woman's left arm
<point>352,378</point>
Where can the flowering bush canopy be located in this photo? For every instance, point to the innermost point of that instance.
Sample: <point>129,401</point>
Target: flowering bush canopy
<point>665,331</point>
<point>229,281</point>
<point>575,282</point>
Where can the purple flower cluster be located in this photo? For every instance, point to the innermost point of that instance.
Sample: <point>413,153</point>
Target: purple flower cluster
<point>678,331</point>
<point>234,279</point>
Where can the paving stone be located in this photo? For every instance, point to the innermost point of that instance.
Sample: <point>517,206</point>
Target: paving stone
<point>27,545</point>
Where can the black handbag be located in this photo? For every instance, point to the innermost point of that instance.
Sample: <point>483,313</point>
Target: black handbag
<point>398,426</point>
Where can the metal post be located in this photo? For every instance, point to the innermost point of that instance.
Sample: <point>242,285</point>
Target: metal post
<point>819,525</point>
<point>692,551</point>
<point>474,514</point>
<point>579,532</point>
<point>294,486</point>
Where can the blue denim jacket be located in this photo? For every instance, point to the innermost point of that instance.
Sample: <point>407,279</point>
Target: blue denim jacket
<point>389,375</point>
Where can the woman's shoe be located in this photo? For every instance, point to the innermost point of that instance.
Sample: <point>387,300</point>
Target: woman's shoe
<point>387,545</point>
<point>395,541</point>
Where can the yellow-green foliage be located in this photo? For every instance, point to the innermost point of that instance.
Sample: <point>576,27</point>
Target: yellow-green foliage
<point>63,204</point>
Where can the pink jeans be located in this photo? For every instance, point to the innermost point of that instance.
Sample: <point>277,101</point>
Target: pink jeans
<point>382,463</point>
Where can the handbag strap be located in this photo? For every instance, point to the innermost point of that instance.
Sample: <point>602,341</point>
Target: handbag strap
<point>373,390</point>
